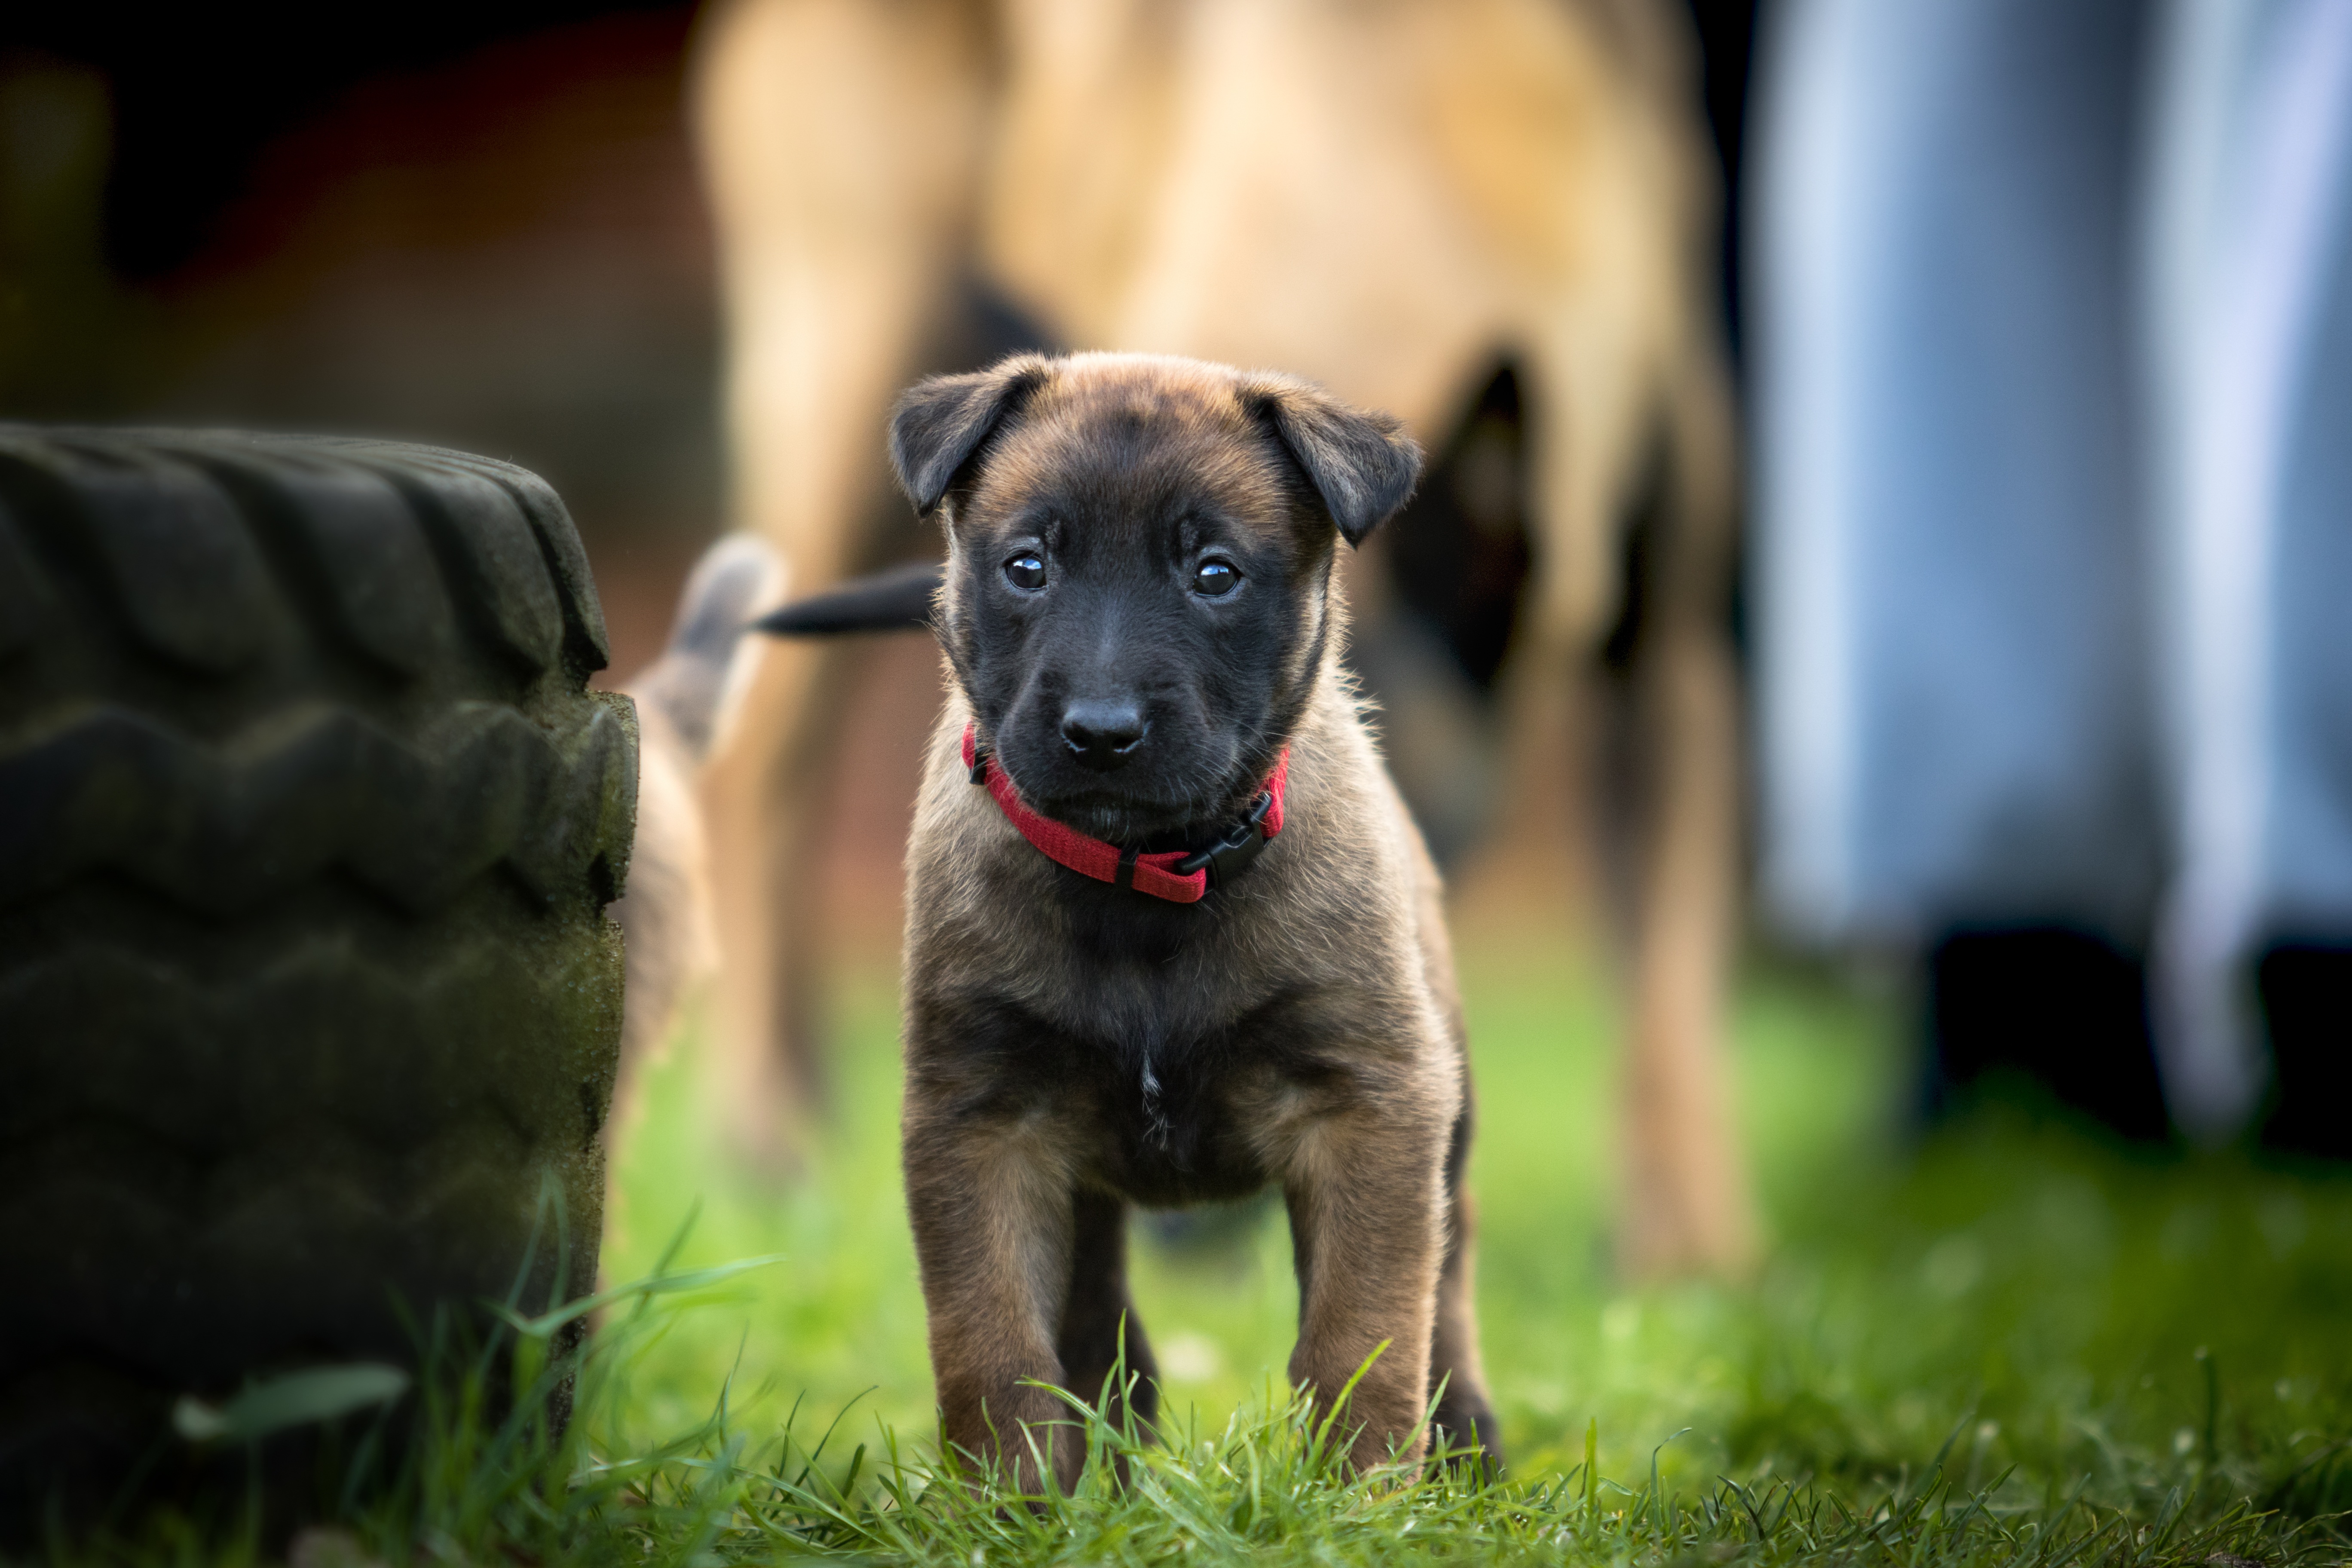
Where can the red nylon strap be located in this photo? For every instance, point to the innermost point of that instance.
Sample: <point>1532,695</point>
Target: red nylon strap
<point>1154,874</point>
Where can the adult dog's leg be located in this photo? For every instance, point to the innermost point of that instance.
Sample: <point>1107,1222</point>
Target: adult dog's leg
<point>1466,1418</point>
<point>838,142</point>
<point>1099,1310</point>
<point>995,1235</point>
<point>1605,406</point>
<point>1364,1192</point>
<point>1688,1205</point>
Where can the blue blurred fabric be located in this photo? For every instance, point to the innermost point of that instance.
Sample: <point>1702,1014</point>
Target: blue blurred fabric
<point>2051,314</point>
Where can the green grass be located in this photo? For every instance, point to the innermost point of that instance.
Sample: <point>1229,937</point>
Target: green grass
<point>2013,1344</point>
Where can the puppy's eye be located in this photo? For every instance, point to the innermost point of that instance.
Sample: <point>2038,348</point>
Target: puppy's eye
<point>1215,578</point>
<point>1026,570</point>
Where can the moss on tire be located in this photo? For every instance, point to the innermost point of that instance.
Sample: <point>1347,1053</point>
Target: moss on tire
<point>308,822</point>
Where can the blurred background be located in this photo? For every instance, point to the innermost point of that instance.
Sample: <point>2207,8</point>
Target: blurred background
<point>484,227</point>
<point>2051,532</point>
<point>2040,633</point>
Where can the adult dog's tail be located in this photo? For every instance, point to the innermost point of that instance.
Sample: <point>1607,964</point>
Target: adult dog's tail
<point>897,600</point>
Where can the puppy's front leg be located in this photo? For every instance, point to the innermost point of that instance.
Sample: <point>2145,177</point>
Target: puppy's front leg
<point>1364,1190</point>
<point>991,1206</point>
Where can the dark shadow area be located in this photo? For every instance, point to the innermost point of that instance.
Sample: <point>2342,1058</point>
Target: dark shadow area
<point>1430,650</point>
<point>1458,552</point>
<point>1726,42</point>
<point>2306,1002</point>
<point>2064,1009</point>
<point>201,91</point>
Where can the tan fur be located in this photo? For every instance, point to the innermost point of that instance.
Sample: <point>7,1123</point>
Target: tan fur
<point>1382,198</point>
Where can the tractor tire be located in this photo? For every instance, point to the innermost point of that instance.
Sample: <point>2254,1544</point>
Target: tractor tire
<point>308,999</point>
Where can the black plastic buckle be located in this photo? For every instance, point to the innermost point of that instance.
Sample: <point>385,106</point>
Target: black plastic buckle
<point>1231,856</point>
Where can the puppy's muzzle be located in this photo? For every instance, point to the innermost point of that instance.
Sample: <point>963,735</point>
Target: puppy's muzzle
<point>1103,734</point>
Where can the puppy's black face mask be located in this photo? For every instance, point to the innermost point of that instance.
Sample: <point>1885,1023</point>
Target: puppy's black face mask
<point>1139,598</point>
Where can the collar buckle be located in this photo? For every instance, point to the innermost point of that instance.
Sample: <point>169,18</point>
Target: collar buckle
<point>1230,856</point>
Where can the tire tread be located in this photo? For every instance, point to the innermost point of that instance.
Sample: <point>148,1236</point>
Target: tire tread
<point>307,821</point>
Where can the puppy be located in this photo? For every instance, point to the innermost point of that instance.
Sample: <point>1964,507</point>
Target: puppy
<point>1171,935</point>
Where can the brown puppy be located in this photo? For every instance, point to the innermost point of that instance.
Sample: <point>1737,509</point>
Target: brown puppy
<point>1142,631</point>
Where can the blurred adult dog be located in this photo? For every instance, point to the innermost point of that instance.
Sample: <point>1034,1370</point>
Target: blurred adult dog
<point>1392,199</point>
<point>1171,934</point>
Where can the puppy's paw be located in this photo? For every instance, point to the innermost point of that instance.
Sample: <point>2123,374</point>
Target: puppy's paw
<point>1027,1442</point>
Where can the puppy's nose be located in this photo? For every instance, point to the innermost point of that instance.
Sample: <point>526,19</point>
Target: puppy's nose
<point>1103,733</point>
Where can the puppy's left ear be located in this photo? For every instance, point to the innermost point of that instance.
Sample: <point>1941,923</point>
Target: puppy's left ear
<point>1361,463</point>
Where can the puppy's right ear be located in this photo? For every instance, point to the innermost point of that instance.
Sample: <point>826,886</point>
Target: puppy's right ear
<point>940,424</point>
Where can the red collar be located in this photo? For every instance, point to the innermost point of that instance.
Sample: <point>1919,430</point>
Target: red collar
<point>1179,876</point>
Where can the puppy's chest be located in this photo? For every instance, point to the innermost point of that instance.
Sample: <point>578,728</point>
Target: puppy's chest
<point>1161,1108</point>
<point>1161,1037</point>
<point>1175,1125</point>
<point>1167,1081</point>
